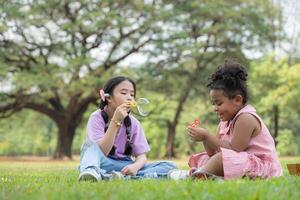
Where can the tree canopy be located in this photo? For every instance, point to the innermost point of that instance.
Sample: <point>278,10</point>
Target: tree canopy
<point>55,55</point>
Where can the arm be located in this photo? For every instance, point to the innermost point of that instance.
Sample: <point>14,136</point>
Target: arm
<point>107,141</point>
<point>210,142</point>
<point>245,127</point>
<point>133,168</point>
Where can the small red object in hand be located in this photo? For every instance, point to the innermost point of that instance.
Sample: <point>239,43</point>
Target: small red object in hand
<point>195,123</point>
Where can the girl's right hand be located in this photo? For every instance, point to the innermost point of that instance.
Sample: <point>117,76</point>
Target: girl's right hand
<point>121,112</point>
<point>197,133</point>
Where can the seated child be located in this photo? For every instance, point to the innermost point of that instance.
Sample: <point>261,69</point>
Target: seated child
<point>243,146</point>
<point>116,145</point>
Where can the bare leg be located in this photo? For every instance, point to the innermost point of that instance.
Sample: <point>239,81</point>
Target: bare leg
<point>214,165</point>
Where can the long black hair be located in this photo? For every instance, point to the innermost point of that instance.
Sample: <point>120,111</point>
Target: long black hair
<point>230,77</point>
<point>109,88</point>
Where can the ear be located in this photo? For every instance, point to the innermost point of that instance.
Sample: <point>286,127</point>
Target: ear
<point>238,99</point>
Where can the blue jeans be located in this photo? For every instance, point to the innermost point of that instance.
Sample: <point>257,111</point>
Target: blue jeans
<point>92,157</point>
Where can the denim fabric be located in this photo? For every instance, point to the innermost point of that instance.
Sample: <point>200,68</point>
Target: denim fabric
<point>92,156</point>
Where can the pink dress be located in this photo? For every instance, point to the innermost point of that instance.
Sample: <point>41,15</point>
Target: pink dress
<point>258,160</point>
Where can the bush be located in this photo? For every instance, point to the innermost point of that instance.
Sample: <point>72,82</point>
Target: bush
<point>287,143</point>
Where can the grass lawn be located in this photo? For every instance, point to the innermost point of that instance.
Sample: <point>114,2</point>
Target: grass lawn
<point>58,180</point>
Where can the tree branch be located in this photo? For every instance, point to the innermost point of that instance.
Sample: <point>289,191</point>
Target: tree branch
<point>55,101</point>
<point>54,115</point>
<point>133,49</point>
<point>9,109</point>
<point>123,36</point>
<point>21,102</point>
<point>82,107</point>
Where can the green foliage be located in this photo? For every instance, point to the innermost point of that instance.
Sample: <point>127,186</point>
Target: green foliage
<point>53,50</point>
<point>198,36</point>
<point>59,41</point>
<point>278,80</point>
<point>27,134</point>
<point>274,82</point>
<point>195,39</point>
<point>287,143</point>
<point>55,55</point>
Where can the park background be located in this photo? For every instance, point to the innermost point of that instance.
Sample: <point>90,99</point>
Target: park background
<point>56,55</point>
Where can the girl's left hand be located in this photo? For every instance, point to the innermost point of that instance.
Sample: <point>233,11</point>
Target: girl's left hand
<point>197,133</point>
<point>130,170</point>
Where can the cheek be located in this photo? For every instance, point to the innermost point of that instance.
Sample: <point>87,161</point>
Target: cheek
<point>121,98</point>
<point>116,99</point>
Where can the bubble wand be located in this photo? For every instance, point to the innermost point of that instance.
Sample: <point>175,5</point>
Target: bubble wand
<point>139,104</point>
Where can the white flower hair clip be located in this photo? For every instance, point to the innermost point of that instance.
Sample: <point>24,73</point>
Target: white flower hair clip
<point>103,95</point>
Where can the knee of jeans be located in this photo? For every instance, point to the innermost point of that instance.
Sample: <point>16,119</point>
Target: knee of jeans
<point>168,164</point>
<point>90,144</point>
<point>172,165</point>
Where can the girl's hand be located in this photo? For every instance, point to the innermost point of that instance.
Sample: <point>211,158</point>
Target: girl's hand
<point>121,112</point>
<point>130,170</point>
<point>197,133</point>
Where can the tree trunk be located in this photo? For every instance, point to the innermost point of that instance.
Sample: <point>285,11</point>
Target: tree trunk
<point>65,137</point>
<point>183,97</point>
<point>67,125</point>
<point>170,140</point>
<point>172,125</point>
<point>276,123</point>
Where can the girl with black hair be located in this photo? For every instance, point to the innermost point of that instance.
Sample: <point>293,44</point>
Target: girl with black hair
<point>244,146</point>
<point>114,137</point>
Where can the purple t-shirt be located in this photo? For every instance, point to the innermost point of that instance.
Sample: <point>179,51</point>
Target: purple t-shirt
<point>138,141</point>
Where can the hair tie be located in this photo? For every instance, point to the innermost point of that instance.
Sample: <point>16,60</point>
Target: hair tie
<point>103,95</point>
